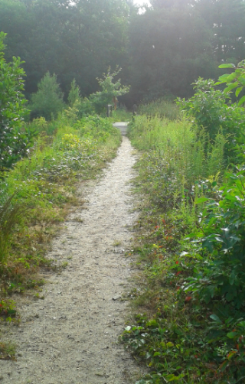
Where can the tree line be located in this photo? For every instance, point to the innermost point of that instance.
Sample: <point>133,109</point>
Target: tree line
<point>162,50</point>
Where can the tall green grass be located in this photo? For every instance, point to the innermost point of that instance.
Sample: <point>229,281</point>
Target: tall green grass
<point>185,153</point>
<point>161,108</point>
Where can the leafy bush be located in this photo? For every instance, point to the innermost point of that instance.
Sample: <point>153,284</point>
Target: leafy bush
<point>209,108</point>
<point>110,91</point>
<point>235,80</point>
<point>222,236</point>
<point>48,100</point>
<point>14,141</point>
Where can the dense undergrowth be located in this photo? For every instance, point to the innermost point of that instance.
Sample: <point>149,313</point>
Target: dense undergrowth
<point>190,306</point>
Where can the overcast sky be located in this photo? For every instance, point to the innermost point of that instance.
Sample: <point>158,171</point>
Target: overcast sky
<point>141,2</point>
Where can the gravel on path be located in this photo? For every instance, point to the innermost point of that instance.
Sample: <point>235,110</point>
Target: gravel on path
<point>71,336</point>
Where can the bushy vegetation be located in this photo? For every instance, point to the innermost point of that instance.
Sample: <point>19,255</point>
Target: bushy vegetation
<point>14,141</point>
<point>47,102</point>
<point>190,323</point>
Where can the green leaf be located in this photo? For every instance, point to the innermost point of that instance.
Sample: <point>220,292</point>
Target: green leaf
<point>231,335</point>
<point>223,78</point>
<point>231,77</point>
<point>241,101</point>
<point>215,318</point>
<point>201,200</point>
<point>230,87</point>
<point>238,91</point>
<point>227,66</point>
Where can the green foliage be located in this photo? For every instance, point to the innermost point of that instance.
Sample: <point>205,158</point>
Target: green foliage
<point>166,54</point>
<point>7,309</point>
<point>81,108</point>
<point>44,184</point>
<point>74,94</point>
<point>47,102</point>
<point>162,51</point>
<point>209,108</point>
<point>192,156</point>
<point>14,141</point>
<point>222,236</point>
<point>110,91</point>
<point>162,108</point>
<point>10,216</point>
<point>235,80</point>
<point>7,351</point>
<point>89,36</point>
<point>190,243</point>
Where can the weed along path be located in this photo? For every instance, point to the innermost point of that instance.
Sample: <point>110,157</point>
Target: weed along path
<point>70,337</point>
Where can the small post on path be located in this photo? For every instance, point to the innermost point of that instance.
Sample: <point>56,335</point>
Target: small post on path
<point>109,110</point>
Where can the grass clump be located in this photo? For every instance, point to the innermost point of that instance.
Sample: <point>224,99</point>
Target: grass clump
<point>7,351</point>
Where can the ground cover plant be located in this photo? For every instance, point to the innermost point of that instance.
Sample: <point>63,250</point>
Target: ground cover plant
<point>189,298</point>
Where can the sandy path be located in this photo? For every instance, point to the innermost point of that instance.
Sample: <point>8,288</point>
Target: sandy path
<point>71,335</point>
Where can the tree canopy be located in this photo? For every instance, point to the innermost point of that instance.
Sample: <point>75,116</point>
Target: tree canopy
<point>162,50</point>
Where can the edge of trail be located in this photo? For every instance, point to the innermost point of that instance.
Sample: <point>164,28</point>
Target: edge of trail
<point>70,337</point>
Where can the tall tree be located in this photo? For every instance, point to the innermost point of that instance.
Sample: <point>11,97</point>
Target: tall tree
<point>170,47</point>
<point>73,39</point>
<point>226,19</point>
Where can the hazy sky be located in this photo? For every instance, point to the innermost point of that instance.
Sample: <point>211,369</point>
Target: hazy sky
<point>141,2</point>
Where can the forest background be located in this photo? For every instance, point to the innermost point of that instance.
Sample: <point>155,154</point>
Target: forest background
<point>162,50</point>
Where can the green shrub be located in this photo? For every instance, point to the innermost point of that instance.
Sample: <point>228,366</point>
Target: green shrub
<point>210,110</point>
<point>47,102</point>
<point>110,91</point>
<point>14,140</point>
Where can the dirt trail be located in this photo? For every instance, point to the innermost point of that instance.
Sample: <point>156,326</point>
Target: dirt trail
<point>70,337</point>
